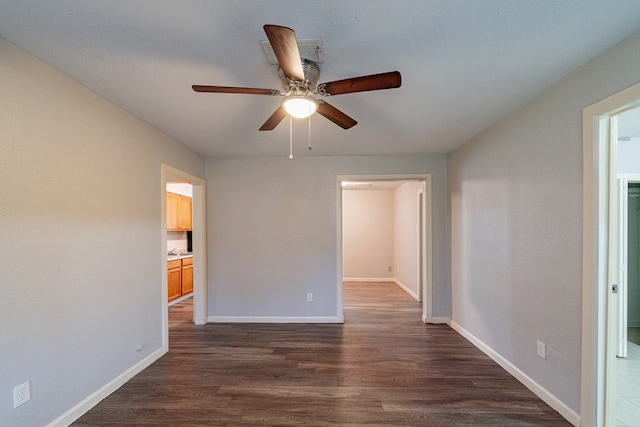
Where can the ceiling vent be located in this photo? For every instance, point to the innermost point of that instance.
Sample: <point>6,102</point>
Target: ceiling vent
<point>310,49</point>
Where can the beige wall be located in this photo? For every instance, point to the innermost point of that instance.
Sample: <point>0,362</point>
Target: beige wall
<point>516,229</point>
<point>81,238</point>
<point>406,237</point>
<point>281,215</point>
<point>367,230</point>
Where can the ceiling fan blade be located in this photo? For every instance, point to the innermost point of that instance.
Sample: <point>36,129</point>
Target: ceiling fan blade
<point>390,80</point>
<point>336,116</point>
<point>275,119</point>
<point>285,46</point>
<point>231,89</point>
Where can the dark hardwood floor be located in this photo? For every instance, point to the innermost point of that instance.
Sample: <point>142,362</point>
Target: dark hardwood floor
<point>383,367</point>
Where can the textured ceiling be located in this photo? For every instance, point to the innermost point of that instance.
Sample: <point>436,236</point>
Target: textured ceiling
<point>464,64</point>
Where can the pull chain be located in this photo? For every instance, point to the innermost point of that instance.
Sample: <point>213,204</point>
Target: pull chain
<point>309,127</point>
<point>290,137</point>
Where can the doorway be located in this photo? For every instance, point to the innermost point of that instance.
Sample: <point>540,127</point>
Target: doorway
<point>601,250</point>
<point>198,243</point>
<point>410,267</point>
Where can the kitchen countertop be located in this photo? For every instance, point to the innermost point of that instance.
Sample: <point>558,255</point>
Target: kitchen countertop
<point>181,256</point>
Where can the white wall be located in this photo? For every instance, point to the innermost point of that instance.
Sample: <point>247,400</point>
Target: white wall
<point>516,231</point>
<point>80,220</point>
<point>279,216</point>
<point>180,188</point>
<point>406,237</point>
<point>367,227</point>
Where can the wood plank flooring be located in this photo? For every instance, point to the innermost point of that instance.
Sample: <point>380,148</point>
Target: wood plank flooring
<point>383,367</point>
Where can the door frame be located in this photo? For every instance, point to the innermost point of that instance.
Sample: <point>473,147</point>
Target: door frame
<point>596,329</point>
<point>199,238</point>
<point>421,237</point>
<point>427,237</point>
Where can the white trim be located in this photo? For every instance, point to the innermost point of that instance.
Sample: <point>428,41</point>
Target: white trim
<point>427,252</point>
<point>180,299</point>
<point>274,319</point>
<point>369,279</point>
<point>594,252</point>
<point>339,267</point>
<point>427,300</point>
<point>407,290</point>
<point>92,400</point>
<point>438,321</point>
<point>544,394</point>
<point>199,227</point>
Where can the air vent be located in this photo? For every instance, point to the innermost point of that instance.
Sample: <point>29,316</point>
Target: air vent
<point>310,49</point>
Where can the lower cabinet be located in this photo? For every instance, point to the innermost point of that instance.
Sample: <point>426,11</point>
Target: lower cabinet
<point>187,275</point>
<point>179,278</point>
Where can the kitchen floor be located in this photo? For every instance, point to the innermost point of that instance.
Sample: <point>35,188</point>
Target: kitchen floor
<point>628,387</point>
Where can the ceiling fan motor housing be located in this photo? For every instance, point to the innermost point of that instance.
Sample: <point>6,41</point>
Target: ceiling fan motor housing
<point>311,76</point>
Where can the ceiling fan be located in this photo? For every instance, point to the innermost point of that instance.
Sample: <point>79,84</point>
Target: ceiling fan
<point>300,81</point>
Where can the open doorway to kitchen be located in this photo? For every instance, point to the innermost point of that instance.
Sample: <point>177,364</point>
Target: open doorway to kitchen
<point>196,243</point>
<point>384,233</point>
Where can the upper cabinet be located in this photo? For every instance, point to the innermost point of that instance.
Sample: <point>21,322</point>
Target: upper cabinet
<point>178,212</point>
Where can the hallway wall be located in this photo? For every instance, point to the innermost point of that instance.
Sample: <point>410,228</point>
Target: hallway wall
<point>515,194</point>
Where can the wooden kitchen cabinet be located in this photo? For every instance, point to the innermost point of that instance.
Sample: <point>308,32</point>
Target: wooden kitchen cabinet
<point>179,278</point>
<point>174,279</point>
<point>187,275</point>
<point>178,212</point>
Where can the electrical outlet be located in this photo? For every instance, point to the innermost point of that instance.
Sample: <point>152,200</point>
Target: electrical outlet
<point>542,350</point>
<point>309,296</point>
<point>390,268</point>
<point>21,394</point>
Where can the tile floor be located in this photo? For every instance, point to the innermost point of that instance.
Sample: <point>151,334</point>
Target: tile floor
<point>628,388</point>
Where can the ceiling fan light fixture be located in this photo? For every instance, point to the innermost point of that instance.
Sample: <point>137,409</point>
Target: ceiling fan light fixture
<point>300,106</point>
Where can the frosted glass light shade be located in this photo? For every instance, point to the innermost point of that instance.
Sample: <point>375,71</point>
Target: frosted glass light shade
<point>300,106</point>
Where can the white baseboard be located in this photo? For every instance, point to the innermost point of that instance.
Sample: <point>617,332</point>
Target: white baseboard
<point>92,400</point>
<point>274,319</point>
<point>544,394</point>
<point>437,320</point>
<point>182,298</point>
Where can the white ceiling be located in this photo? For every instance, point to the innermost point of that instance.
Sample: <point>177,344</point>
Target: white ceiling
<point>464,64</point>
